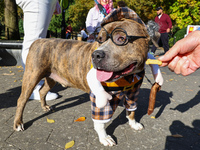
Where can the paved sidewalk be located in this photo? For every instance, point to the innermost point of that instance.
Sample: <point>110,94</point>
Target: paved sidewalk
<point>174,124</point>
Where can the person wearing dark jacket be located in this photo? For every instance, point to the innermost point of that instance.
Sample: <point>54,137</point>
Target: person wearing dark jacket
<point>165,24</point>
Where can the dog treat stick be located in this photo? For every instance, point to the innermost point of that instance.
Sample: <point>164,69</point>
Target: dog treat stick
<point>152,98</point>
<point>153,61</point>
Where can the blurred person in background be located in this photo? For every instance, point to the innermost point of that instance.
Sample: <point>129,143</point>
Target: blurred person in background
<point>37,16</point>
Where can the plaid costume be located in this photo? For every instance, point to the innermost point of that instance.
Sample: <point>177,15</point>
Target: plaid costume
<point>129,98</point>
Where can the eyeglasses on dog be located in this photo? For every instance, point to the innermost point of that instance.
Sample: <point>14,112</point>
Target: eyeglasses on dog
<point>118,36</point>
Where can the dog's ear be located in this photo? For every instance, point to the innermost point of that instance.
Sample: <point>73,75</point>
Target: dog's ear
<point>152,28</point>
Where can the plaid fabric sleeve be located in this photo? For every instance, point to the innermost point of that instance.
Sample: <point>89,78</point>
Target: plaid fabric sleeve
<point>105,113</point>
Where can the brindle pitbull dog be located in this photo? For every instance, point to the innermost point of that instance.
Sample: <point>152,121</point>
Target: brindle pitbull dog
<point>68,62</point>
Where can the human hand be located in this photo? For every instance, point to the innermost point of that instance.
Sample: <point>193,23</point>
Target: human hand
<point>58,9</point>
<point>168,30</point>
<point>183,57</point>
<point>102,98</point>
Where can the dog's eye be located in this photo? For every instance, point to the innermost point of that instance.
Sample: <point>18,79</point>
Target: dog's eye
<point>121,39</point>
<point>100,39</point>
<point>100,35</point>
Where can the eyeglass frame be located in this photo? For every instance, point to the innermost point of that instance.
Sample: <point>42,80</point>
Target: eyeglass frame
<point>128,37</point>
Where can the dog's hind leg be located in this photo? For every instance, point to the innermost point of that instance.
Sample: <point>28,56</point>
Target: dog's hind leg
<point>132,122</point>
<point>30,80</point>
<point>48,84</point>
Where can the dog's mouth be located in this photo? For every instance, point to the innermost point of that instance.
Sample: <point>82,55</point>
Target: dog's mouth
<point>106,76</point>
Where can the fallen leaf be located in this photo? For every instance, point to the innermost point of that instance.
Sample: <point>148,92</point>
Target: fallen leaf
<point>69,144</point>
<point>50,120</point>
<point>8,74</point>
<point>189,90</point>
<point>80,119</point>
<point>177,136</point>
<point>19,67</point>
<point>20,70</point>
<point>153,117</point>
<point>171,79</point>
<point>15,81</point>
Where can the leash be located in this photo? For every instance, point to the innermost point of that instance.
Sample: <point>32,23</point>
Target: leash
<point>101,8</point>
<point>148,80</point>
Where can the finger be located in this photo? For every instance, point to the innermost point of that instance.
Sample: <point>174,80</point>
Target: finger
<point>169,55</point>
<point>181,62</point>
<point>164,64</point>
<point>186,70</point>
<point>172,64</point>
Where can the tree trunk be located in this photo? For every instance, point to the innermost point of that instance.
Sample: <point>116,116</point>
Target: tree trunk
<point>11,20</point>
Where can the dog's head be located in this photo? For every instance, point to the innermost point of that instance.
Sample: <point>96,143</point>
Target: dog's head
<point>123,48</point>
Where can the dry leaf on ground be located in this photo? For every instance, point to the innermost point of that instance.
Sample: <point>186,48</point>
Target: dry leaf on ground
<point>80,119</point>
<point>189,90</point>
<point>19,67</point>
<point>177,136</point>
<point>69,144</point>
<point>8,74</point>
<point>50,120</point>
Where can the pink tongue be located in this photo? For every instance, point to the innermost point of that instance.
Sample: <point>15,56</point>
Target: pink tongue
<point>103,75</point>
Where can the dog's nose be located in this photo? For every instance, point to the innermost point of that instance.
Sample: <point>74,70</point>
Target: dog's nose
<point>98,55</point>
<point>97,58</point>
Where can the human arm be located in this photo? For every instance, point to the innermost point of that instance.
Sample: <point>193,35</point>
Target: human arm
<point>169,22</point>
<point>155,71</point>
<point>89,19</point>
<point>89,26</point>
<point>183,57</point>
<point>97,89</point>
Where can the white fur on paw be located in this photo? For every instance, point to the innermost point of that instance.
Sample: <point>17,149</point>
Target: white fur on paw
<point>20,127</point>
<point>135,125</point>
<point>107,141</point>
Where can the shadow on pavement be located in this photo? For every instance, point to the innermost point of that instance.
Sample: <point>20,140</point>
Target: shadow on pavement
<point>9,99</point>
<point>6,59</point>
<point>183,137</point>
<point>76,100</point>
<point>186,106</point>
<point>162,100</point>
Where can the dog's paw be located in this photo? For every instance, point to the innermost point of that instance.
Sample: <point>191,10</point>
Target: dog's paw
<point>46,108</point>
<point>135,125</point>
<point>19,127</point>
<point>107,141</point>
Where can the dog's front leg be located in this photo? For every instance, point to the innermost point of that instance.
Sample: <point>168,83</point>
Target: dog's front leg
<point>104,139</point>
<point>132,122</point>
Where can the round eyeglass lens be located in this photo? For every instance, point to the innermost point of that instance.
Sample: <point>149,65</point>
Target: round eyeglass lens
<point>102,35</point>
<point>119,36</point>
